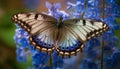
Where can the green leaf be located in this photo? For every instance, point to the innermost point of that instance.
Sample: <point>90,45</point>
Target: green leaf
<point>7,28</point>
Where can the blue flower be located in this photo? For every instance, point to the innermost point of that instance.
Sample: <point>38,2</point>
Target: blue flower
<point>58,61</point>
<point>40,58</point>
<point>91,47</point>
<point>53,7</point>
<point>116,10</point>
<point>109,39</point>
<point>110,1</point>
<point>79,8</point>
<point>47,67</point>
<point>24,42</point>
<point>88,64</point>
<point>92,13</point>
<point>92,3</point>
<point>116,58</point>
<point>107,35</point>
<point>80,1</point>
<point>54,10</point>
<point>113,8</point>
<point>21,54</point>
<point>94,42</point>
<point>107,51</point>
<point>75,10</point>
<point>31,48</point>
<point>69,5</point>
<point>20,31</point>
<point>113,41</point>
<point>109,63</point>
<point>31,4</point>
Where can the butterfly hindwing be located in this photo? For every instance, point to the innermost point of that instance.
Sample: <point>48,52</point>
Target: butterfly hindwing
<point>44,41</point>
<point>40,28</point>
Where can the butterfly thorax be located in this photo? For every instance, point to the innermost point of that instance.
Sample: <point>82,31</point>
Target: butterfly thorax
<point>60,22</point>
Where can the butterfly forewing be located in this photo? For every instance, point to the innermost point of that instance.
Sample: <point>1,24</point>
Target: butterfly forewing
<point>29,21</point>
<point>40,27</point>
<point>88,28</point>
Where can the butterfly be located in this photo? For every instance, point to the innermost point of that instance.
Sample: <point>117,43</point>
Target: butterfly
<point>67,37</point>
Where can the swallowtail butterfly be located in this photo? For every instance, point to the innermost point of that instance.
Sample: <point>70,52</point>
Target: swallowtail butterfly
<point>67,37</point>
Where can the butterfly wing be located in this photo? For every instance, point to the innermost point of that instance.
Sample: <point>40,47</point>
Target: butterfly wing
<point>76,32</point>
<point>40,27</point>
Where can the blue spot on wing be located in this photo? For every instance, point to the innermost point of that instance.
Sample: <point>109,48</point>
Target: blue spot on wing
<point>71,48</point>
<point>41,43</point>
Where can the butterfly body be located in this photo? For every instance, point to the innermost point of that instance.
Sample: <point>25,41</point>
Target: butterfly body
<point>67,37</point>
<point>60,22</point>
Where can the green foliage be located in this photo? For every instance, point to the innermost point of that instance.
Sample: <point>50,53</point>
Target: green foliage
<point>7,29</point>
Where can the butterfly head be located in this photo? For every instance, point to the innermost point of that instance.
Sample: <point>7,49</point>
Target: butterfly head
<point>60,22</point>
<point>60,18</point>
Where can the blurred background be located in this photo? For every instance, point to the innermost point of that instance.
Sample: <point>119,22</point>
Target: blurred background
<point>7,28</point>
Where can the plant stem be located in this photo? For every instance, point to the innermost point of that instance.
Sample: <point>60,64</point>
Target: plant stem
<point>102,42</point>
<point>103,7</point>
<point>85,4</point>
<point>51,59</point>
<point>102,53</point>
